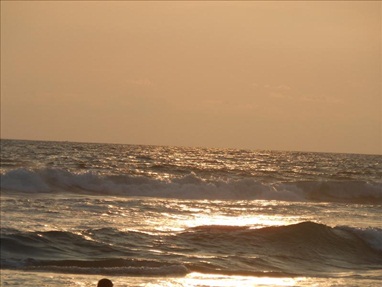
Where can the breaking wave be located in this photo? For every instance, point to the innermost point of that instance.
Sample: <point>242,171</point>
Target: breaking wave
<point>273,251</point>
<point>189,187</point>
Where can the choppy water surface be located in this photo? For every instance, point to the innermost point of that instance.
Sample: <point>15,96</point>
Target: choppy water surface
<point>72,213</point>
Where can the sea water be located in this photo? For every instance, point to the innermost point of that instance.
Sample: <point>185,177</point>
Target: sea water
<point>73,213</point>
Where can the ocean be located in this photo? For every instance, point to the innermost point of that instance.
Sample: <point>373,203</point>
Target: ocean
<point>73,213</point>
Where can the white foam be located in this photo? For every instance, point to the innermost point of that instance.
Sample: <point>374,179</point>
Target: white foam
<point>188,187</point>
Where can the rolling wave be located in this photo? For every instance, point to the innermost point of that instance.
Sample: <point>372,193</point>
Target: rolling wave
<point>302,241</point>
<point>273,251</point>
<point>190,187</point>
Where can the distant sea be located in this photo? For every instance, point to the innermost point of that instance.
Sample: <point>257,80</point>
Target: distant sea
<point>73,213</point>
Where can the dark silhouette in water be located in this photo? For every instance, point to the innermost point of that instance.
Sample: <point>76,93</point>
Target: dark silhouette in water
<point>105,283</point>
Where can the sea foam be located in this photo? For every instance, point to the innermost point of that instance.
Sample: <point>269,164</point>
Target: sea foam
<point>189,187</point>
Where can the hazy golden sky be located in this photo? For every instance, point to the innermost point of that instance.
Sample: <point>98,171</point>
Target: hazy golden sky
<point>280,75</point>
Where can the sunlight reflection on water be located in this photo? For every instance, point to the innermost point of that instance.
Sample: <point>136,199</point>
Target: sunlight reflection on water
<point>198,279</point>
<point>31,279</point>
<point>212,213</point>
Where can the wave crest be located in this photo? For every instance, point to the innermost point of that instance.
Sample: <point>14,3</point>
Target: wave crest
<point>189,187</point>
<point>305,246</point>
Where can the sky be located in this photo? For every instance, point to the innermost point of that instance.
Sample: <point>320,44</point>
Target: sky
<point>282,75</point>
